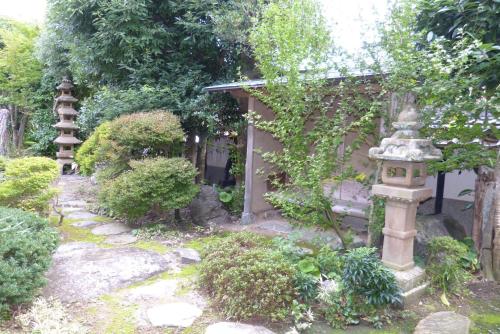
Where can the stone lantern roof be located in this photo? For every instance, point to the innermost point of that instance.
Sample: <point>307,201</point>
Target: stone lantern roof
<point>65,84</point>
<point>405,144</point>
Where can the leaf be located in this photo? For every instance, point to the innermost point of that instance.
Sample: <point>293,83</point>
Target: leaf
<point>225,197</point>
<point>307,266</point>
<point>444,300</point>
<point>465,192</point>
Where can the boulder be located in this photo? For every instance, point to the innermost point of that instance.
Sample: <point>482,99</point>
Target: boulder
<point>173,315</point>
<point>443,323</point>
<point>428,227</point>
<point>454,228</point>
<point>207,209</point>
<point>188,255</point>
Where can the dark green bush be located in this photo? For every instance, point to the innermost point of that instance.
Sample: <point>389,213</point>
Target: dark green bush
<point>245,278</point>
<point>26,246</point>
<point>331,263</point>
<point>26,183</point>
<point>365,276</point>
<point>130,137</point>
<point>158,184</point>
<point>444,263</point>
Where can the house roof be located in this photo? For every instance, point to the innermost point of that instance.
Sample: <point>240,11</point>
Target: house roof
<point>259,83</point>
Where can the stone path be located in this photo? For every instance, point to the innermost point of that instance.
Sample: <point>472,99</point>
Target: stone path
<point>112,273</point>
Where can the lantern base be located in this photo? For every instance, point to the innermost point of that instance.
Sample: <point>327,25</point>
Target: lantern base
<point>412,283</point>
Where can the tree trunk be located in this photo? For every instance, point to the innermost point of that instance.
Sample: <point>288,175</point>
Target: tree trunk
<point>496,231</point>
<point>21,130</point>
<point>483,224</point>
<point>4,132</point>
<point>191,149</point>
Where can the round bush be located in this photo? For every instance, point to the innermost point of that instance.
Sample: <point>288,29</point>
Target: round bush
<point>245,278</point>
<point>26,183</point>
<point>152,184</point>
<point>94,150</point>
<point>26,246</point>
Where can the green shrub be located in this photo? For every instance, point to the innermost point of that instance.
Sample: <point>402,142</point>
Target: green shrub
<point>94,150</point>
<point>26,183</point>
<point>148,133</point>
<point>26,246</point>
<point>366,277</point>
<point>246,278</point>
<point>159,184</point>
<point>130,137</point>
<point>331,263</point>
<point>232,198</point>
<point>444,263</point>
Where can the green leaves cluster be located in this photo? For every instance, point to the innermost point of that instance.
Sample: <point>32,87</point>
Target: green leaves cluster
<point>26,246</point>
<point>245,278</point>
<point>158,184</point>
<point>312,116</point>
<point>26,183</point>
<point>448,54</point>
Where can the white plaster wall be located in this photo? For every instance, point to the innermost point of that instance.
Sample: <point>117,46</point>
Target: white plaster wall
<point>454,184</point>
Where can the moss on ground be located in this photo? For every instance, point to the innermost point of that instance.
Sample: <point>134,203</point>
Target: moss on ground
<point>73,233</point>
<point>120,318</point>
<point>485,323</point>
<point>154,246</point>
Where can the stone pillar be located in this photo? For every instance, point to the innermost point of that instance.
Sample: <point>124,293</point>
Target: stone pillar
<point>247,216</point>
<point>403,175</point>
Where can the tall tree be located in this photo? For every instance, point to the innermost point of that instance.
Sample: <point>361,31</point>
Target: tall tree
<point>20,74</point>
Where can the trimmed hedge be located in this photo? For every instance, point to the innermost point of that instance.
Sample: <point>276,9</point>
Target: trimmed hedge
<point>26,245</point>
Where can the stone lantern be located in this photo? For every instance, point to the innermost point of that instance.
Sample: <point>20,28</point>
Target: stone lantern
<point>66,125</point>
<point>403,175</point>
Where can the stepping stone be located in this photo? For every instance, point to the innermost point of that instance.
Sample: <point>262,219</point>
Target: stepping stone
<point>173,315</point>
<point>156,291</point>
<point>69,210</point>
<point>443,323</point>
<point>85,223</point>
<point>82,271</point>
<point>236,328</point>
<point>188,255</point>
<point>73,203</point>
<point>81,215</point>
<point>111,229</point>
<point>121,239</point>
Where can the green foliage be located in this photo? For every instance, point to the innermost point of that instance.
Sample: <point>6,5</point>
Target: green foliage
<point>232,198</point>
<point>159,184</point>
<point>366,277</point>
<point>94,150</point>
<point>309,266</point>
<point>129,137</point>
<point>378,219</point>
<point>292,36</point>
<point>27,183</point>
<point>26,246</point>
<point>306,286</point>
<point>245,278</point>
<point>447,53</point>
<point>331,263</point>
<point>444,263</point>
<point>338,306</point>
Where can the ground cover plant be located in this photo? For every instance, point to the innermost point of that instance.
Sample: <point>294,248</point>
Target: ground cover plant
<point>341,288</point>
<point>26,183</point>
<point>26,246</point>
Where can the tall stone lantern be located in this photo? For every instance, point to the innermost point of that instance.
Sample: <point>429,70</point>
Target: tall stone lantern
<point>66,126</point>
<point>404,157</point>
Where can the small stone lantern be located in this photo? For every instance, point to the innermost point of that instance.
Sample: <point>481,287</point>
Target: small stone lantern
<point>403,175</point>
<point>66,125</point>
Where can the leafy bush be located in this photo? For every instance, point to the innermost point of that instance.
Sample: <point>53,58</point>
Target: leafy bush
<point>152,184</point>
<point>330,262</point>
<point>338,306</point>
<point>444,263</point>
<point>26,183</point>
<point>246,278</point>
<point>130,137</point>
<point>232,198</point>
<point>366,277</point>
<point>26,246</point>
<point>95,149</point>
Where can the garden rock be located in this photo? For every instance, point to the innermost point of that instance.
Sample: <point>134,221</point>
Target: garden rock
<point>173,315</point>
<point>236,328</point>
<point>443,323</point>
<point>111,229</point>
<point>81,215</point>
<point>188,255</point>
<point>206,208</point>
<point>121,239</point>
<point>454,228</point>
<point>83,271</point>
<point>152,292</point>
<point>428,227</point>
<point>86,223</point>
